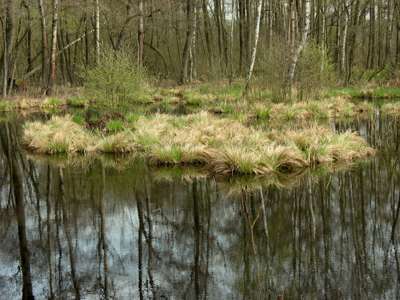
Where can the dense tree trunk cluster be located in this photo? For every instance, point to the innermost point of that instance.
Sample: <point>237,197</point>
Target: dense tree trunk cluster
<point>51,41</point>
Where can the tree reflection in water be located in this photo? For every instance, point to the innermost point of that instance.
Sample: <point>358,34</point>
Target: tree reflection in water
<point>115,234</point>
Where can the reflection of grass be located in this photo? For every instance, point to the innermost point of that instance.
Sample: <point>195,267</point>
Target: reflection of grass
<point>133,166</point>
<point>224,146</point>
<point>250,184</point>
<point>188,173</point>
<point>81,162</point>
<point>85,162</point>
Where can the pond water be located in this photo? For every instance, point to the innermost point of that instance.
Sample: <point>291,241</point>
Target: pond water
<point>97,229</point>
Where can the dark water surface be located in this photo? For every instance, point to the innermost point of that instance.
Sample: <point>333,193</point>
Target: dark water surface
<point>94,229</point>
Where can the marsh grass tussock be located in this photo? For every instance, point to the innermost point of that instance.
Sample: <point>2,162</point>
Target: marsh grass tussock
<point>305,113</point>
<point>321,145</point>
<point>59,135</point>
<point>120,142</point>
<point>392,109</point>
<point>221,145</point>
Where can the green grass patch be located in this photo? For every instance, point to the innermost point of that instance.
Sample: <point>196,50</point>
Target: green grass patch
<point>77,102</point>
<point>132,117</point>
<point>6,106</point>
<point>114,126</point>
<point>386,93</point>
<point>78,119</point>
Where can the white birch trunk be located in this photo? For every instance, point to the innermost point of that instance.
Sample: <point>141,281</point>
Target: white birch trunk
<point>345,33</point>
<point>53,57</point>
<point>301,46</point>
<point>254,52</point>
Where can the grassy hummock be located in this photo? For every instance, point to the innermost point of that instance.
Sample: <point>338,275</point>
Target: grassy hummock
<point>222,145</point>
<point>391,109</point>
<point>365,93</point>
<point>59,135</point>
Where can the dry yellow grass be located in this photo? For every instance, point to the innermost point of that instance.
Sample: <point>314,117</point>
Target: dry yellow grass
<point>122,142</point>
<point>392,109</point>
<point>224,146</point>
<point>59,135</point>
<point>321,145</point>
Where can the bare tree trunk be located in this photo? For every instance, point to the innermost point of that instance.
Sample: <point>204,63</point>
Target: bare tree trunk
<point>37,69</point>
<point>248,30</point>
<point>389,31</point>
<point>241,36</point>
<point>44,41</point>
<point>356,13</point>
<point>300,47</point>
<point>397,26</point>
<point>380,34</point>
<point>8,43</point>
<point>224,36</point>
<point>141,35</point>
<point>86,50</point>
<point>371,37</point>
<point>97,30</point>
<point>207,32</point>
<point>5,62</point>
<point>231,40</point>
<point>53,58</point>
<point>338,25</point>
<point>323,35</point>
<point>292,26</point>
<point>192,52</point>
<point>254,52</point>
<point>270,22</point>
<point>29,37</point>
<point>217,11</point>
<point>188,42</point>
